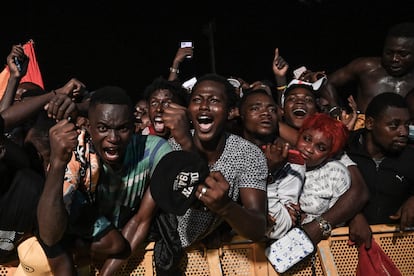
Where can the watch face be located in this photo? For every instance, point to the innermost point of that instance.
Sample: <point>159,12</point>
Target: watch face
<point>325,226</point>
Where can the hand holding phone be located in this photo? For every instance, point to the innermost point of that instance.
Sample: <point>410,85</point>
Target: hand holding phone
<point>186,44</point>
<point>295,157</point>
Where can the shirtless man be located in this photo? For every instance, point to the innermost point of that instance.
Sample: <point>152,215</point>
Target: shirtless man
<point>392,72</point>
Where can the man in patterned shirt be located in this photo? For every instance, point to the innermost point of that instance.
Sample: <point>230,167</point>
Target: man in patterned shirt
<point>106,204</point>
<point>235,190</point>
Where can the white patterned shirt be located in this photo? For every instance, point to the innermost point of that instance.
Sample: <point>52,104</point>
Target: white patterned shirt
<point>243,165</point>
<point>322,188</point>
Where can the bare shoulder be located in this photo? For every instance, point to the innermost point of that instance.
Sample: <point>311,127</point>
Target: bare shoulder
<point>358,68</point>
<point>363,64</point>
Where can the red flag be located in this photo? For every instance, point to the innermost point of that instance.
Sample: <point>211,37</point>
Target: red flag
<point>33,73</point>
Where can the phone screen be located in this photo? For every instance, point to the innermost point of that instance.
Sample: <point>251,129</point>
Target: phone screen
<point>185,44</point>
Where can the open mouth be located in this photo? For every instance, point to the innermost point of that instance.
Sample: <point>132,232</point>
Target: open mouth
<point>111,154</point>
<point>158,124</point>
<point>300,112</point>
<point>205,123</point>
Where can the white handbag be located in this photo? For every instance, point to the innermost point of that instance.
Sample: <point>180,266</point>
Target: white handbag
<point>289,250</point>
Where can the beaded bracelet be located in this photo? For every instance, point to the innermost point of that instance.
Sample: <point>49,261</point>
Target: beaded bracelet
<point>281,88</point>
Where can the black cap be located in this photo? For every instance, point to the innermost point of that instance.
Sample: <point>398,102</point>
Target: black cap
<point>175,179</point>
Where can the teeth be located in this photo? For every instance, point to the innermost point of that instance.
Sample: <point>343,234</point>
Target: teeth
<point>300,112</point>
<point>203,119</point>
<point>159,126</point>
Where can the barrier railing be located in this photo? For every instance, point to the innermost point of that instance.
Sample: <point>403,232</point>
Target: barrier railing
<point>334,257</point>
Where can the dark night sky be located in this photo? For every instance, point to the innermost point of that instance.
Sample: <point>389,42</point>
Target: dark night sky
<point>128,43</point>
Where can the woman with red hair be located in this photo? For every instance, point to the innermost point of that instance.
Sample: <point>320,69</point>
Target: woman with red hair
<point>321,138</point>
<point>331,136</point>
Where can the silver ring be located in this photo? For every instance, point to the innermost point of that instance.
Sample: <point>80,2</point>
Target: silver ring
<point>204,190</point>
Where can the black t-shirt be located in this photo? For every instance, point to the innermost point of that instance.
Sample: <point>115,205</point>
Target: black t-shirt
<point>390,180</point>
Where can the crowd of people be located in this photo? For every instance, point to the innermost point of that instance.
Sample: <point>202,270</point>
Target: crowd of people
<point>76,165</point>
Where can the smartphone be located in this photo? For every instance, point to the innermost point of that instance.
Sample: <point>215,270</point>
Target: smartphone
<point>295,157</point>
<point>187,44</point>
<point>299,71</point>
<point>18,65</point>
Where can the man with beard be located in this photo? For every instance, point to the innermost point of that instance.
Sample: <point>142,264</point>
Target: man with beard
<point>393,71</point>
<point>385,161</point>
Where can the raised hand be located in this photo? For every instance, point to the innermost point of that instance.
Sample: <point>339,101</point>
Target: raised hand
<point>175,118</point>
<point>280,66</point>
<point>349,119</point>
<point>182,53</point>
<point>276,154</point>
<point>63,140</point>
<point>74,88</point>
<point>17,61</point>
<point>61,107</point>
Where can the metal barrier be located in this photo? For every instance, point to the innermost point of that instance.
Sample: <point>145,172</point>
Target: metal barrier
<point>334,257</point>
<point>338,258</point>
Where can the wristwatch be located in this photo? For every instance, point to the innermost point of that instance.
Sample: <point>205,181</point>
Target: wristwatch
<point>325,226</point>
